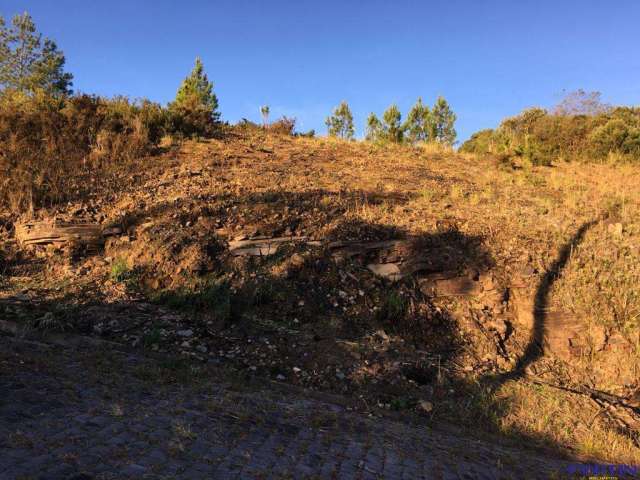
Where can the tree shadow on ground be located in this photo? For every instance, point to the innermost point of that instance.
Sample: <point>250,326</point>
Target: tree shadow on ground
<point>535,347</point>
<point>318,310</point>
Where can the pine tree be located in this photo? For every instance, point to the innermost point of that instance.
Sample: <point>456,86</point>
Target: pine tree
<point>197,88</point>
<point>392,128</point>
<point>418,125</point>
<point>443,122</point>
<point>195,108</point>
<point>374,128</point>
<point>29,62</point>
<point>264,110</point>
<point>340,123</point>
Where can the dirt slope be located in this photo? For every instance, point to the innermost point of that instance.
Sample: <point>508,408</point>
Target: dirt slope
<point>410,279</point>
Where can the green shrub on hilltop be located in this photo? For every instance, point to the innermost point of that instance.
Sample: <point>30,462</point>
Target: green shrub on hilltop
<point>579,129</point>
<point>619,135</point>
<point>483,141</point>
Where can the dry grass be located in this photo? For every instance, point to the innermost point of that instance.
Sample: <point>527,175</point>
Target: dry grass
<point>564,419</point>
<point>522,216</point>
<point>52,150</point>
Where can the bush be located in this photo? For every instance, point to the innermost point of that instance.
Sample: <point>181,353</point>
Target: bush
<point>46,142</point>
<point>126,130</point>
<point>616,136</point>
<point>309,134</point>
<point>481,142</point>
<point>190,119</point>
<point>541,138</point>
<point>284,126</point>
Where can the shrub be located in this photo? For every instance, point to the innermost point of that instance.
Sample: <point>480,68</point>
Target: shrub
<point>284,126</point>
<point>541,137</point>
<point>46,143</point>
<point>481,142</point>
<point>126,130</point>
<point>248,126</point>
<point>310,134</point>
<point>615,136</point>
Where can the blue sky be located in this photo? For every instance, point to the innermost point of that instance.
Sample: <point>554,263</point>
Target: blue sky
<point>490,59</point>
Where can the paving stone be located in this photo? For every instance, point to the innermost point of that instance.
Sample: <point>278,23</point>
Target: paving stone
<point>134,470</point>
<point>142,443</point>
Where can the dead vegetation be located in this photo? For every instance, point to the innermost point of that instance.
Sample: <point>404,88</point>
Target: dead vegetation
<point>407,278</point>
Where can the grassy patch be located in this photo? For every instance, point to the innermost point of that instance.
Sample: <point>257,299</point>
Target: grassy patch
<point>393,307</point>
<point>213,296</point>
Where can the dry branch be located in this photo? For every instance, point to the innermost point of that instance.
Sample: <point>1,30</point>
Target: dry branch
<point>40,233</point>
<point>264,246</point>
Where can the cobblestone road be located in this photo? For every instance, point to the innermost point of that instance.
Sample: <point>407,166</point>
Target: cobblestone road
<point>97,415</point>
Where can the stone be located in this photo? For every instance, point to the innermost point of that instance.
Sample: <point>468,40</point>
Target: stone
<point>386,270</point>
<point>185,333</point>
<point>425,406</point>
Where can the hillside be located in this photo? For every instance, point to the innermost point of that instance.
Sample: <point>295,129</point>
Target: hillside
<point>412,279</point>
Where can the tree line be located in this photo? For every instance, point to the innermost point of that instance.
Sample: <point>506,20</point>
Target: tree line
<point>423,124</point>
<point>33,65</point>
<point>580,128</point>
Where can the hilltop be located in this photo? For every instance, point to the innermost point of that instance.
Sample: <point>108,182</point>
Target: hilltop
<point>407,278</point>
